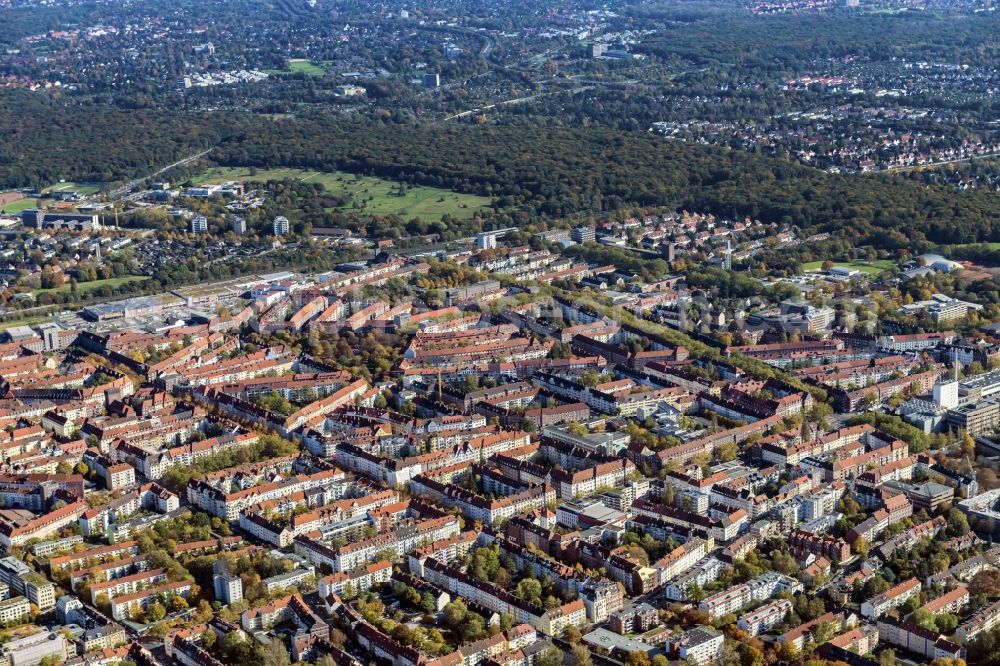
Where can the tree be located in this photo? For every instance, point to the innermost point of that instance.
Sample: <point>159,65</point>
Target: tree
<point>155,612</point>
<point>861,547</point>
<point>787,652</point>
<point>337,637</point>
<point>484,563</point>
<point>455,613</point>
<point>204,613</point>
<point>427,603</point>
<point>985,583</point>
<point>530,590</point>
<point>985,649</point>
<point>572,635</point>
<point>727,452</point>
<point>958,524</point>
<point>887,657</point>
<point>551,656</point>
<point>579,655</point>
<point>274,654</point>
<point>637,658</point>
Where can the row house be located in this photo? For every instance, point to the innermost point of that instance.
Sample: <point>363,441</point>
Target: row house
<point>154,463</point>
<point>110,570</point>
<point>907,539</point>
<point>682,559</point>
<point>802,634</point>
<point>758,589</point>
<point>116,475</point>
<point>792,453</point>
<point>896,508</point>
<point>150,496</point>
<point>600,597</point>
<point>671,515</point>
<point>282,532</point>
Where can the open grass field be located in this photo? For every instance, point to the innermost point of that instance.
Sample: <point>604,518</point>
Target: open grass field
<point>27,321</point>
<point>301,66</point>
<point>19,205</point>
<point>367,194</point>
<point>993,246</point>
<point>84,287</point>
<point>873,268</point>
<point>81,188</point>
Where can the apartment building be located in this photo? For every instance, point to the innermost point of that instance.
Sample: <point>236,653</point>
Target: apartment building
<point>403,539</point>
<point>761,619</point>
<point>984,620</point>
<point>549,622</point>
<point>700,645</point>
<point>952,601</point>
<point>44,526</point>
<point>129,605</point>
<point>360,579</point>
<point>916,639</point>
<point>287,609</point>
<point>881,604</point>
<point>127,584</point>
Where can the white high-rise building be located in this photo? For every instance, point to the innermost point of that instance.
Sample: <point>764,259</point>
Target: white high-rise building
<point>281,226</point>
<point>946,394</point>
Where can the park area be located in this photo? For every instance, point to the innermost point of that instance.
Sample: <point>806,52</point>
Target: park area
<point>301,66</point>
<point>868,267</point>
<point>365,194</point>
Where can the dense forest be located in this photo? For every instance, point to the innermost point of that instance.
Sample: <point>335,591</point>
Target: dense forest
<point>44,139</point>
<point>556,172</point>
<point>532,171</point>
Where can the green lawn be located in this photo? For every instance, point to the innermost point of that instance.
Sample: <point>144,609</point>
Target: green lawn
<point>84,287</point>
<point>369,195</point>
<point>27,321</point>
<point>19,205</point>
<point>301,66</point>
<point>993,246</point>
<point>81,188</point>
<point>873,268</point>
